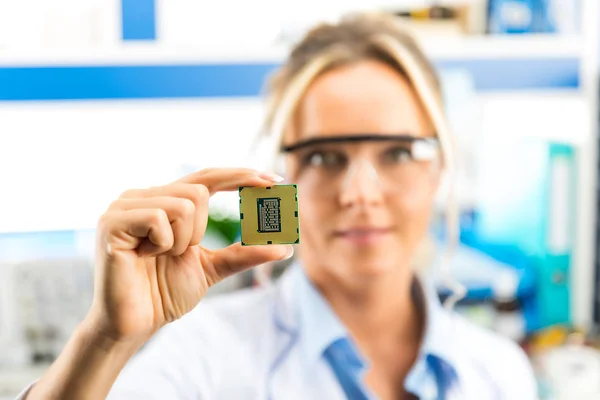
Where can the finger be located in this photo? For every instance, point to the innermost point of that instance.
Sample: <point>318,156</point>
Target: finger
<point>197,194</point>
<point>236,258</point>
<point>181,214</point>
<point>147,230</point>
<point>228,179</point>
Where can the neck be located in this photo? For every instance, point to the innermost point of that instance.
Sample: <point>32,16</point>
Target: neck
<point>381,310</point>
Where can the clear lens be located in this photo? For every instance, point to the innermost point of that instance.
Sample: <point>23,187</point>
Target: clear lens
<point>392,166</point>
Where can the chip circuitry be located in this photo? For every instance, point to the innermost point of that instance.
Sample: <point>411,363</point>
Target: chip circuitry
<point>269,215</point>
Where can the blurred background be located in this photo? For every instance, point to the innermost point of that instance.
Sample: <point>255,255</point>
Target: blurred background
<point>97,96</point>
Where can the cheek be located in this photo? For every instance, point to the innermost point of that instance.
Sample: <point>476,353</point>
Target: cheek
<point>413,210</point>
<point>314,215</point>
<point>422,197</point>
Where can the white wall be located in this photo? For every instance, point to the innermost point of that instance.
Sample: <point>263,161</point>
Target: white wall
<point>63,163</point>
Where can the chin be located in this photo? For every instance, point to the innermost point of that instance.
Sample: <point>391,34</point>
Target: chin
<point>368,265</point>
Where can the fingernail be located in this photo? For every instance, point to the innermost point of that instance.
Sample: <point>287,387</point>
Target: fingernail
<point>271,177</point>
<point>289,253</point>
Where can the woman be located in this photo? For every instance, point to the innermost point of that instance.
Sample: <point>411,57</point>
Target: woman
<point>357,111</point>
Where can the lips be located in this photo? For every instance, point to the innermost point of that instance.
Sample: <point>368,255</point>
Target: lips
<point>363,235</point>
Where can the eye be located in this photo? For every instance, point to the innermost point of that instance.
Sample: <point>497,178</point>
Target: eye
<point>398,155</point>
<point>327,159</point>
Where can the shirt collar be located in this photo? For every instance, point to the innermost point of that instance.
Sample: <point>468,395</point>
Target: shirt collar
<point>320,327</point>
<point>318,324</point>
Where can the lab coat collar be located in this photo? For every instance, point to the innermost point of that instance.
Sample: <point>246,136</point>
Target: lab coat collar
<point>314,326</point>
<point>438,340</point>
<point>289,378</point>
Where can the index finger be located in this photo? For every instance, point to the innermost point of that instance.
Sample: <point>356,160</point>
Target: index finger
<point>230,179</point>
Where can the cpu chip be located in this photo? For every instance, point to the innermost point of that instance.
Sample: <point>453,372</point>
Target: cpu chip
<point>269,215</point>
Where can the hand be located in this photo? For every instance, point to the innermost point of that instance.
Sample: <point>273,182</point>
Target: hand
<point>150,268</point>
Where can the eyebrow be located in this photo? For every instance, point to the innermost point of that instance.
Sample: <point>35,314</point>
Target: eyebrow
<point>353,138</point>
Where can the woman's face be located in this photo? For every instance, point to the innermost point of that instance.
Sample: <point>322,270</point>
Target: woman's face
<point>363,212</point>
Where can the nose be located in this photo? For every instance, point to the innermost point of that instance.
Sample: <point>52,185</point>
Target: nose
<point>361,185</point>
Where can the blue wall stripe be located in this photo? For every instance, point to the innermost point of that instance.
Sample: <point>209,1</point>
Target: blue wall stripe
<point>23,83</point>
<point>138,19</point>
<point>132,82</point>
<point>515,74</point>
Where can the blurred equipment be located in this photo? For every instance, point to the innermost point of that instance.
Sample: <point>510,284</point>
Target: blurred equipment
<point>466,17</point>
<point>498,293</point>
<point>509,320</point>
<point>43,299</point>
<point>511,16</point>
<point>569,372</point>
<point>534,16</point>
<point>564,16</point>
<point>529,203</point>
<point>43,302</point>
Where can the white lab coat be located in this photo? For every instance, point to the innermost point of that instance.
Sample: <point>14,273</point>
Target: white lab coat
<point>244,346</point>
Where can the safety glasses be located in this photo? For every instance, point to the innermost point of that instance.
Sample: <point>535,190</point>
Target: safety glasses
<point>392,163</point>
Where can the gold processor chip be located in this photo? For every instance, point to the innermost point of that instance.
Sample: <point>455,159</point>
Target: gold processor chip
<point>269,215</point>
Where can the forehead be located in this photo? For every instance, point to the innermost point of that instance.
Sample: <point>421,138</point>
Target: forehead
<point>365,97</point>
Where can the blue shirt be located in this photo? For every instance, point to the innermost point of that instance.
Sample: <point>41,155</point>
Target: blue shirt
<point>324,336</point>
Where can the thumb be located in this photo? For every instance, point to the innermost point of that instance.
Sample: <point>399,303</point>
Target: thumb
<point>237,258</point>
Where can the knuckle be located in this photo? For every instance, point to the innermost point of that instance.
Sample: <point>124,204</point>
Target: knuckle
<point>187,207</point>
<point>118,204</point>
<point>207,171</point>
<point>249,171</point>
<point>200,193</point>
<point>200,174</point>
<point>129,193</point>
<point>153,191</point>
<point>157,216</point>
<point>104,222</point>
<point>113,206</point>
<point>167,242</point>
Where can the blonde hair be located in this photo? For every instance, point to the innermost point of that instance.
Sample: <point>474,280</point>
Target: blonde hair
<point>357,38</point>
